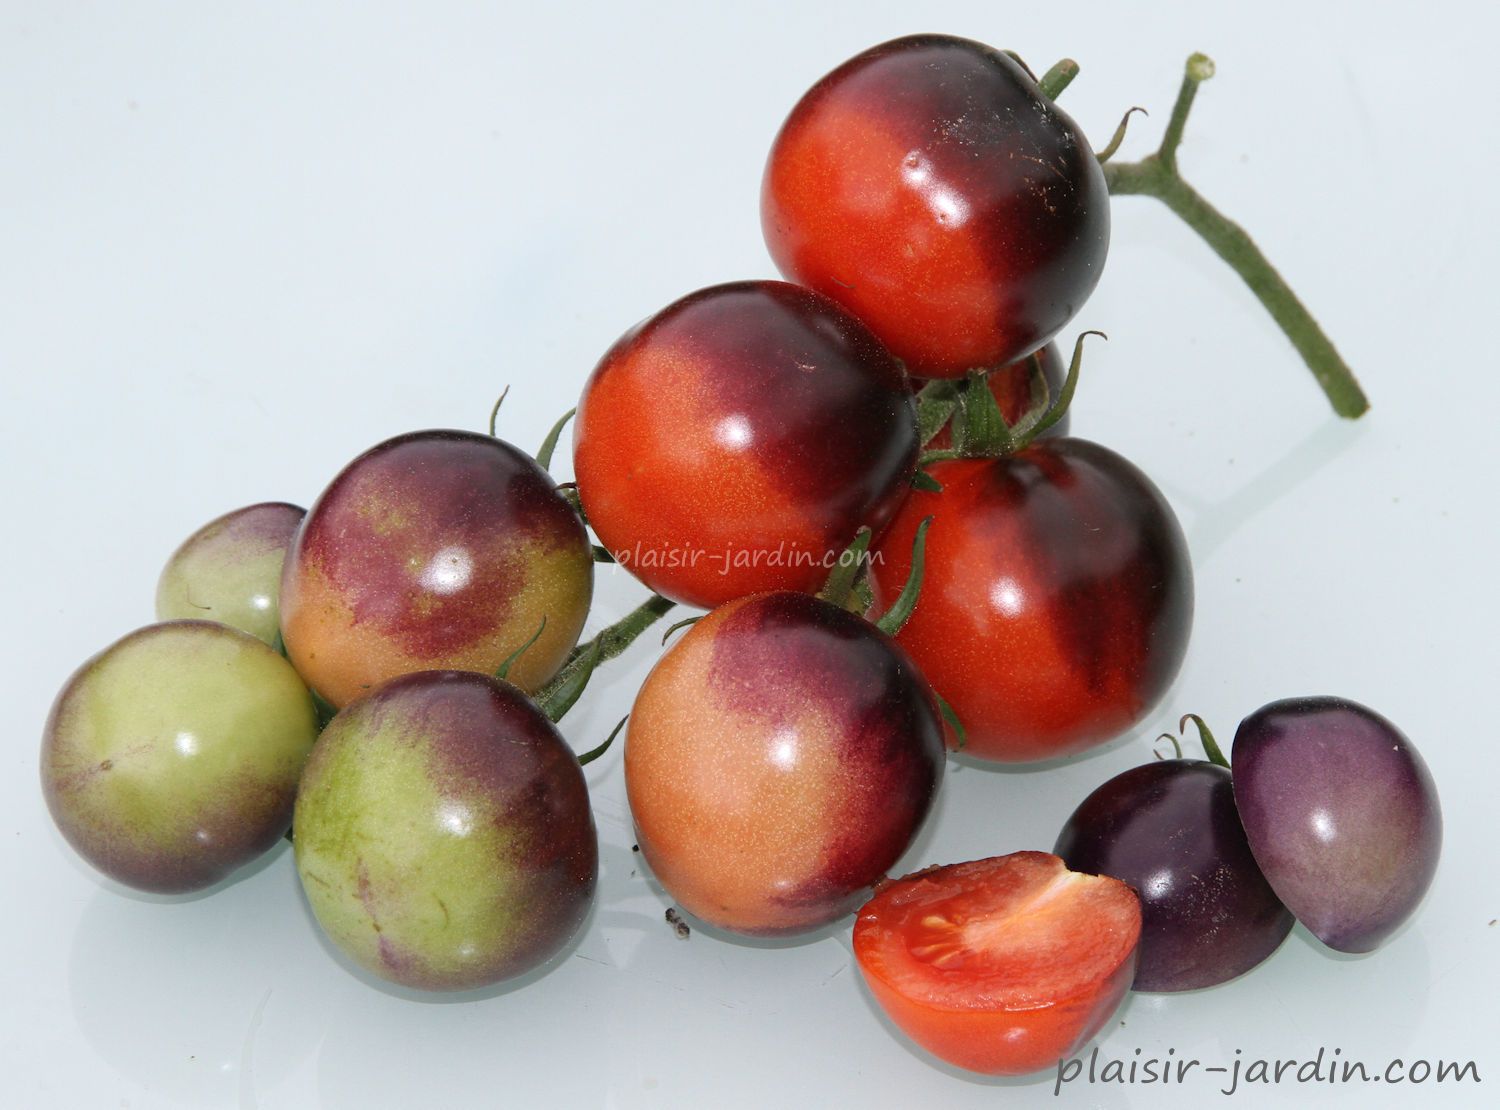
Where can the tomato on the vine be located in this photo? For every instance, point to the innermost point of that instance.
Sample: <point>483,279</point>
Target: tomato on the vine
<point>930,187</point>
<point>736,441</point>
<point>1057,601</point>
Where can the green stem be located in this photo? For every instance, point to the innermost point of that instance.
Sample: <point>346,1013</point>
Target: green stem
<point>558,696</point>
<point>1157,176</point>
<point>1059,77</point>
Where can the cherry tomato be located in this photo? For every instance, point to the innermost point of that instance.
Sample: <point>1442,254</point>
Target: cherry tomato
<point>1012,388</point>
<point>1057,600</point>
<point>1342,815</point>
<point>434,551</point>
<point>1002,966</point>
<point>443,832</point>
<point>929,187</point>
<point>1170,830</point>
<point>780,758</point>
<point>230,570</point>
<point>737,440</point>
<point>171,758</point>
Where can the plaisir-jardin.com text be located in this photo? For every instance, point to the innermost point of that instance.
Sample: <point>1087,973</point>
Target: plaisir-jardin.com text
<point>1328,1067</point>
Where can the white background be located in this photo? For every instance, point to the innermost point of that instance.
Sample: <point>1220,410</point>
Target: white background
<point>239,244</point>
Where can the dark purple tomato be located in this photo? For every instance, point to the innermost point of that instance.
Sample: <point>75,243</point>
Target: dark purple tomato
<point>780,758</point>
<point>1057,600</point>
<point>929,187</point>
<point>735,440</point>
<point>1342,815</point>
<point>443,832</point>
<point>435,550</point>
<point>1170,830</point>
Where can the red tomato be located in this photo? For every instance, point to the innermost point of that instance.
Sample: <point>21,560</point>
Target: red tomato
<point>1057,600</point>
<point>737,440</point>
<point>929,187</point>
<point>1002,966</point>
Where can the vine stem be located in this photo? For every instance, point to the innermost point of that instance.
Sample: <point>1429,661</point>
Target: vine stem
<point>1157,176</point>
<point>567,684</point>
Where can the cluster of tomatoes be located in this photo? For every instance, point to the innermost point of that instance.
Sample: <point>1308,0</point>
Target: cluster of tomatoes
<point>891,567</point>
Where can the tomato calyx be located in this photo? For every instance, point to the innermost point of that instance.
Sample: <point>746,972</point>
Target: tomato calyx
<point>980,430</point>
<point>1205,737</point>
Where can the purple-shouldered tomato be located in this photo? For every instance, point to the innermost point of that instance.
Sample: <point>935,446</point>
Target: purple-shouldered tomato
<point>740,437</point>
<point>1057,600</point>
<point>435,550</point>
<point>780,758</point>
<point>930,187</point>
<point>230,570</point>
<point>443,832</point>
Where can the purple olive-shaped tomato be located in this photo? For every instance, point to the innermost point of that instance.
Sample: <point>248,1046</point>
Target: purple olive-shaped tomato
<point>780,758</point>
<point>230,570</point>
<point>435,550</point>
<point>443,832</point>
<point>1170,830</point>
<point>930,187</point>
<point>171,757</point>
<point>730,443</point>
<point>1342,816</point>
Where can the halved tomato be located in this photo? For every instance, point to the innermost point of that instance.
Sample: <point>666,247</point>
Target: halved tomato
<point>1003,965</point>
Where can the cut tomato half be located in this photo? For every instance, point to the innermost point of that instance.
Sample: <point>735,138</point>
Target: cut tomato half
<point>1001,965</point>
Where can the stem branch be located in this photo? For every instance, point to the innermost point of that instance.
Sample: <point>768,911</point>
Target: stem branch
<point>1157,176</point>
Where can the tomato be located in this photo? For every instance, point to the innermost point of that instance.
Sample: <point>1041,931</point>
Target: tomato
<point>929,187</point>
<point>443,832</point>
<point>431,551</point>
<point>1057,600</point>
<point>230,570</point>
<point>1171,831</point>
<point>737,440</point>
<point>1014,389</point>
<point>780,758</point>
<point>171,758</point>
<point>1342,815</point>
<point>1002,966</point>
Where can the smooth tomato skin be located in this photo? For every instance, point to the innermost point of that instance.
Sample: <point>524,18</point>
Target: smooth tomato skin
<point>1011,386</point>
<point>928,186</point>
<point>437,550</point>
<point>1170,829</point>
<point>1342,814</point>
<point>443,832</point>
<point>734,441</point>
<point>974,1026</point>
<point>1057,600</point>
<point>780,758</point>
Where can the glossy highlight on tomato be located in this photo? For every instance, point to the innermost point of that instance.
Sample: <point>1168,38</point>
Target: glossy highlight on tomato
<point>1002,966</point>
<point>780,758</point>
<point>929,187</point>
<point>431,551</point>
<point>735,442</point>
<point>1057,601</point>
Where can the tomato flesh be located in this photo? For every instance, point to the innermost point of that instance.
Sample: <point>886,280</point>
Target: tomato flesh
<point>1002,965</point>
